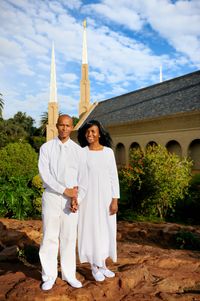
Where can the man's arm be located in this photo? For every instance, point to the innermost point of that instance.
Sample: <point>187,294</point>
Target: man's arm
<point>48,179</point>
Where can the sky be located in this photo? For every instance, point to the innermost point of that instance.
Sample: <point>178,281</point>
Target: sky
<point>127,42</point>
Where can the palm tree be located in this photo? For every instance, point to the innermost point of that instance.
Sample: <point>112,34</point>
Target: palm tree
<point>1,104</point>
<point>43,122</point>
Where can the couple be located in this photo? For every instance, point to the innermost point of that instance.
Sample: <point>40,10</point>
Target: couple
<point>81,188</point>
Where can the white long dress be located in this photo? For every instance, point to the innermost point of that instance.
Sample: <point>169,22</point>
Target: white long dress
<point>96,227</point>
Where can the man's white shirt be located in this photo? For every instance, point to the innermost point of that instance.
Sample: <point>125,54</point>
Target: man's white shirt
<point>63,165</point>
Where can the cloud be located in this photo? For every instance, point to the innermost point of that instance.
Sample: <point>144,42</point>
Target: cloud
<point>177,22</point>
<point>117,12</point>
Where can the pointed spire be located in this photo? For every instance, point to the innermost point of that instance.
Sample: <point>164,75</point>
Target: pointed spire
<point>161,76</point>
<point>53,87</point>
<point>84,53</point>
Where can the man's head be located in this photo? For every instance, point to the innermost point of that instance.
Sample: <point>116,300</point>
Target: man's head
<point>65,127</point>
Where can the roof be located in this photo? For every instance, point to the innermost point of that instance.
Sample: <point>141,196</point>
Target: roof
<point>178,95</point>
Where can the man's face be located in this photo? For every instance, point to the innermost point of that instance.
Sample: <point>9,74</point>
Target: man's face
<point>65,127</point>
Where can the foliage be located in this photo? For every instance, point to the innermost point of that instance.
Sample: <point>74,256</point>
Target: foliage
<point>187,211</point>
<point>20,198</point>
<point>75,120</point>
<point>15,198</point>
<point>37,186</point>
<point>43,123</point>
<point>187,240</point>
<point>26,122</point>
<point>36,142</point>
<point>18,165</point>
<point>155,180</point>
<point>10,132</point>
<point>18,160</point>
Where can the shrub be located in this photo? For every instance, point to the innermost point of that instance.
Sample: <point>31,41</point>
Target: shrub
<point>155,180</point>
<point>18,165</point>
<point>18,160</point>
<point>188,210</point>
<point>38,190</point>
<point>15,198</point>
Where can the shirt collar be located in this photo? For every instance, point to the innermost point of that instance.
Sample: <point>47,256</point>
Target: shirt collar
<point>65,144</point>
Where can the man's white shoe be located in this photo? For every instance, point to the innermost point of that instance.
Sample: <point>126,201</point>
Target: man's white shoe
<point>47,285</point>
<point>106,272</point>
<point>98,276</point>
<point>75,283</point>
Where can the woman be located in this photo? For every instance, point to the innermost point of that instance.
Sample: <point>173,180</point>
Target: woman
<point>97,212</point>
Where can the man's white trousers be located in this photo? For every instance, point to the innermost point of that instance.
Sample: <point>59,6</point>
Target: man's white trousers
<point>59,232</point>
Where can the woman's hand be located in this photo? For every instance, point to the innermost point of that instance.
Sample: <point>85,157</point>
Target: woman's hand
<point>113,206</point>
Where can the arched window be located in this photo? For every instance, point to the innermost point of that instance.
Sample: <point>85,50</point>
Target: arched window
<point>120,155</point>
<point>134,145</point>
<point>174,148</point>
<point>194,153</point>
<point>151,143</point>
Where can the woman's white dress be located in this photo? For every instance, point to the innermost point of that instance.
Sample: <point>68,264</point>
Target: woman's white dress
<point>96,227</point>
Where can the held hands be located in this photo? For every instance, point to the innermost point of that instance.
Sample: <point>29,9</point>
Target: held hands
<point>71,192</point>
<point>113,206</point>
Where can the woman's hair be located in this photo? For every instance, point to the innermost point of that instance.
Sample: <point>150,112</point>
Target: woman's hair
<point>104,138</point>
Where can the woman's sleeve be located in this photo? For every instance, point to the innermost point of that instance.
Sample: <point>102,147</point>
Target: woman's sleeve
<point>114,176</point>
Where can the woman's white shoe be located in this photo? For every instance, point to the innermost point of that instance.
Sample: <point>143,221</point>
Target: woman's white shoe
<point>98,276</point>
<point>106,272</point>
<point>47,285</point>
<point>75,283</point>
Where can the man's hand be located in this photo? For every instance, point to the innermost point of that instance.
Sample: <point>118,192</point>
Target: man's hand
<point>71,192</point>
<point>74,205</point>
<point>113,206</point>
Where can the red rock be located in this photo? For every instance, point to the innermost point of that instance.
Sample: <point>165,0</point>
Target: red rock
<point>147,268</point>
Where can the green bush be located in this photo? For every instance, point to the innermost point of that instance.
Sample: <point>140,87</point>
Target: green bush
<point>37,186</point>
<point>187,211</point>
<point>155,181</point>
<point>36,142</point>
<point>18,160</point>
<point>15,198</point>
<point>18,165</point>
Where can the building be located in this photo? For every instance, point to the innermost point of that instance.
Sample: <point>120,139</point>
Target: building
<point>167,113</point>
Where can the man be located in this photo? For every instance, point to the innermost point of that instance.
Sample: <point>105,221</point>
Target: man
<point>62,169</point>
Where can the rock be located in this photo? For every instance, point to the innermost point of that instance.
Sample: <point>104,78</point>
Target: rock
<point>148,269</point>
<point>9,253</point>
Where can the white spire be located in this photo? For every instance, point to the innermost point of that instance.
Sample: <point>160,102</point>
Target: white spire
<point>161,77</point>
<point>53,87</point>
<point>84,53</point>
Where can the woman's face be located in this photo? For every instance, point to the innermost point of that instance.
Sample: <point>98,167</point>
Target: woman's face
<point>92,134</point>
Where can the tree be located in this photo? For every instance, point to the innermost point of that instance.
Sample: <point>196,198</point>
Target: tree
<point>25,121</point>
<point>10,132</point>
<point>43,122</point>
<point>1,104</point>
